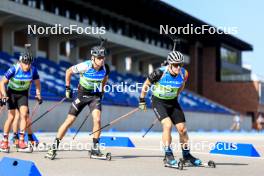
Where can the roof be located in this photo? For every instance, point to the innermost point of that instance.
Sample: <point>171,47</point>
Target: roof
<point>153,13</point>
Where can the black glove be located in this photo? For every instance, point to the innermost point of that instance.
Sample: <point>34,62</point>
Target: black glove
<point>3,101</point>
<point>39,99</point>
<point>142,104</point>
<point>68,92</point>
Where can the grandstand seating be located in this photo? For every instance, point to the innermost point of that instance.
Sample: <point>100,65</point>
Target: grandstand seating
<point>52,81</point>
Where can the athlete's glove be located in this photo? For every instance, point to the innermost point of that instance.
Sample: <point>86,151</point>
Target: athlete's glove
<point>142,104</point>
<point>3,101</point>
<point>68,92</point>
<point>39,99</point>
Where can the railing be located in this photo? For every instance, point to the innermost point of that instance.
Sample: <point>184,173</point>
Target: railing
<point>243,77</point>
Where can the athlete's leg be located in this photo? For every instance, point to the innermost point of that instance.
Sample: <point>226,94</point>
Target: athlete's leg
<point>16,127</point>
<point>16,122</point>
<point>8,123</point>
<point>96,122</point>
<point>183,135</point>
<point>184,138</point>
<point>66,124</point>
<point>23,110</point>
<point>96,107</point>
<point>166,133</point>
<point>74,111</point>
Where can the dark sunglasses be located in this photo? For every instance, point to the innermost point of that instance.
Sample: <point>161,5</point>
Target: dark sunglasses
<point>177,65</point>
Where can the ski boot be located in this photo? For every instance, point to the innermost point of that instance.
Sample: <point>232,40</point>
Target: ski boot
<point>95,153</point>
<point>24,147</point>
<point>51,154</point>
<point>169,160</point>
<point>189,160</point>
<point>4,146</point>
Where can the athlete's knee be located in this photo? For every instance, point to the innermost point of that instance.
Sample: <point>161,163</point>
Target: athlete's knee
<point>182,131</point>
<point>167,125</point>
<point>70,119</point>
<point>96,116</point>
<point>10,116</point>
<point>97,120</point>
<point>23,115</point>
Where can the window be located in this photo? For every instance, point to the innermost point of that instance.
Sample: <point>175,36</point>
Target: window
<point>229,55</point>
<point>230,64</point>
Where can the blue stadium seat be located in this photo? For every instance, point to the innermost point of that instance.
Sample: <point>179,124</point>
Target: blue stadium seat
<point>53,86</point>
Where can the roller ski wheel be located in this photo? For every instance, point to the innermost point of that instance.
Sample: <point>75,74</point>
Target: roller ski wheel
<point>102,156</point>
<point>209,164</point>
<point>51,154</point>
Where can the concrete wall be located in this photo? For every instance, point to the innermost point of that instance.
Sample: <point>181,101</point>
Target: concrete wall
<point>136,122</point>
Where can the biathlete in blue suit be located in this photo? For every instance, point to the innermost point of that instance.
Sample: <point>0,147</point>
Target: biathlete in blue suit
<point>168,81</point>
<point>15,86</point>
<point>93,77</point>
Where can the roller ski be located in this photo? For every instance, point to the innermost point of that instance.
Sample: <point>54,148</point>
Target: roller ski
<point>190,161</point>
<point>24,147</point>
<point>97,154</point>
<point>4,147</point>
<point>169,161</point>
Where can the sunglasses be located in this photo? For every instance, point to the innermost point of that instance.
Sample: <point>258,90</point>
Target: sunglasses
<point>27,63</point>
<point>177,65</point>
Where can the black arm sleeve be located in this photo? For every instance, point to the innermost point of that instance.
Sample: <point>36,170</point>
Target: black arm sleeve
<point>107,69</point>
<point>155,76</point>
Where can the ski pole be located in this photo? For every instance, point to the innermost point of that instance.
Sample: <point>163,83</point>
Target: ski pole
<point>81,126</point>
<point>116,120</point>
<point>151,126</point>
<point>46,112</point>
<point>2,110</point>
<point>35,109</point>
